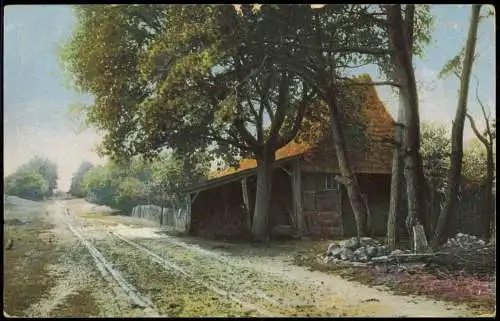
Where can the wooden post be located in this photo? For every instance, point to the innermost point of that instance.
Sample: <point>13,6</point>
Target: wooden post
<point>341,208</point>
<point>188,212</point>
<point>369,219</point>
<point>161,212</point>
<point>244,189</point>
<point>297,194</point>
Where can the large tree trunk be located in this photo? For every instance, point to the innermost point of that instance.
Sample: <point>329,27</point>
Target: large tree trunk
<point>401,42</point>
<point>493,238</point>
<point>349,178</point>
<point>488,211</point>
<point>444,221</point>
<point>260,222</point>
<point>396,180</point>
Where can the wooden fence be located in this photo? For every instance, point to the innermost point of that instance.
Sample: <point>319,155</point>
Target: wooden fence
<point>175,217</point>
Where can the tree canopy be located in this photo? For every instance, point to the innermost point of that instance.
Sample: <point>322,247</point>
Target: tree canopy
<point>33,180</point>
<point>208,78</point>
<point>27,184</point>
<point>126,184</point>
<point>77,179</point>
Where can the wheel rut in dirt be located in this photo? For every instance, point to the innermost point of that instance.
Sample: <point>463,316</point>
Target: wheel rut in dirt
<point>210,284</point>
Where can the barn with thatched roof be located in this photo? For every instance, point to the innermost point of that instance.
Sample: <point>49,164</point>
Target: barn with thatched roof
<point>305,193</point>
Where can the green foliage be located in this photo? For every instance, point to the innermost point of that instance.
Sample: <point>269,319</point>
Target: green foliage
<point>28,184</point>
<point>171,174</point>
<point>475,162</point>
<point>46,168</point>
<point>140,181</point>
<point>99,185</point>
<point>33,180</point>
<point>130,192</point>
<point>424,24</point>
<point>435,148</point>
<point>453,66</point>
<point>205,74</point>
<point>77,179</point>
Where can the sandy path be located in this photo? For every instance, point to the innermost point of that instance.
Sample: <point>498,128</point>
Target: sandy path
<point>75,271</point>
<point>272,284</point>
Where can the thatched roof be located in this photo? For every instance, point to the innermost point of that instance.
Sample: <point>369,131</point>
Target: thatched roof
<point>368,128</point>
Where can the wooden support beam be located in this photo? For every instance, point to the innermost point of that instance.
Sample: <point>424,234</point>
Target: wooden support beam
<point>286,171</point>
<point>188,212</point>
<point>369,219</point>
<point>297,195</point>
<point>341,207</point>
<point>195,196</point>
<point>246,201</point>
<point>340,179</point>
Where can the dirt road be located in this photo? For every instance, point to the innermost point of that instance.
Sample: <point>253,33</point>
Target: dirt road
<point>94,263</point>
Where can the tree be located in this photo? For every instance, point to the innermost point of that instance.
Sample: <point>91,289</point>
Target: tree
<point>46,168</point>
<point>329,42</point>
<point>100,184</point>
<point>212,75</point>
<point>397,159</point>
<point>363,36</point>
<point>130,192</point>
<point>487,139</point>
<point>402,41</point>
<point>185,102</point>
<point>418,22</point>
<point>435,150</point>
<point>26,183</point>
<point>444,224</point>
<point>77,179</point>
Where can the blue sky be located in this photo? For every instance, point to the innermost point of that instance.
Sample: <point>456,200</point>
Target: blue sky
<point>36,99</point>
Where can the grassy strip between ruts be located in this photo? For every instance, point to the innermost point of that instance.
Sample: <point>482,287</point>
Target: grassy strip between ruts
<point>172,294</point>
<point>282,296</point>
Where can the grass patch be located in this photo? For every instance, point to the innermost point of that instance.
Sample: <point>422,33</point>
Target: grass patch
<point>79,304</point>
<point>26,277</point>
<point>173,295</point>
<point>96,216</point>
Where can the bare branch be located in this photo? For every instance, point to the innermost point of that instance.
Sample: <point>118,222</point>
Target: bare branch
<point>476,131</point>
<point>483,109</point>
<point>286,138</point>
<point>252,109</point>
<point>370,51</point>
<point>283,101</point>
<point>353,67</point>
<point>360,50</point>
<point>371,83</point>
<point>254,72</point>
<point>228,142</point>
<point>245,134</point>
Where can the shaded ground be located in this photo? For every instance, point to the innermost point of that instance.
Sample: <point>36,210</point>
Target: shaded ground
<point>435,282</point>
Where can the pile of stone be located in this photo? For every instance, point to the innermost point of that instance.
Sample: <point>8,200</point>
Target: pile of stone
<point>368,249</point>
<point>463,242</point>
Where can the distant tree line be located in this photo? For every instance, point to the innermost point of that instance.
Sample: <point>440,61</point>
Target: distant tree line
<point>34,180</point>
<point>138,181</point>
